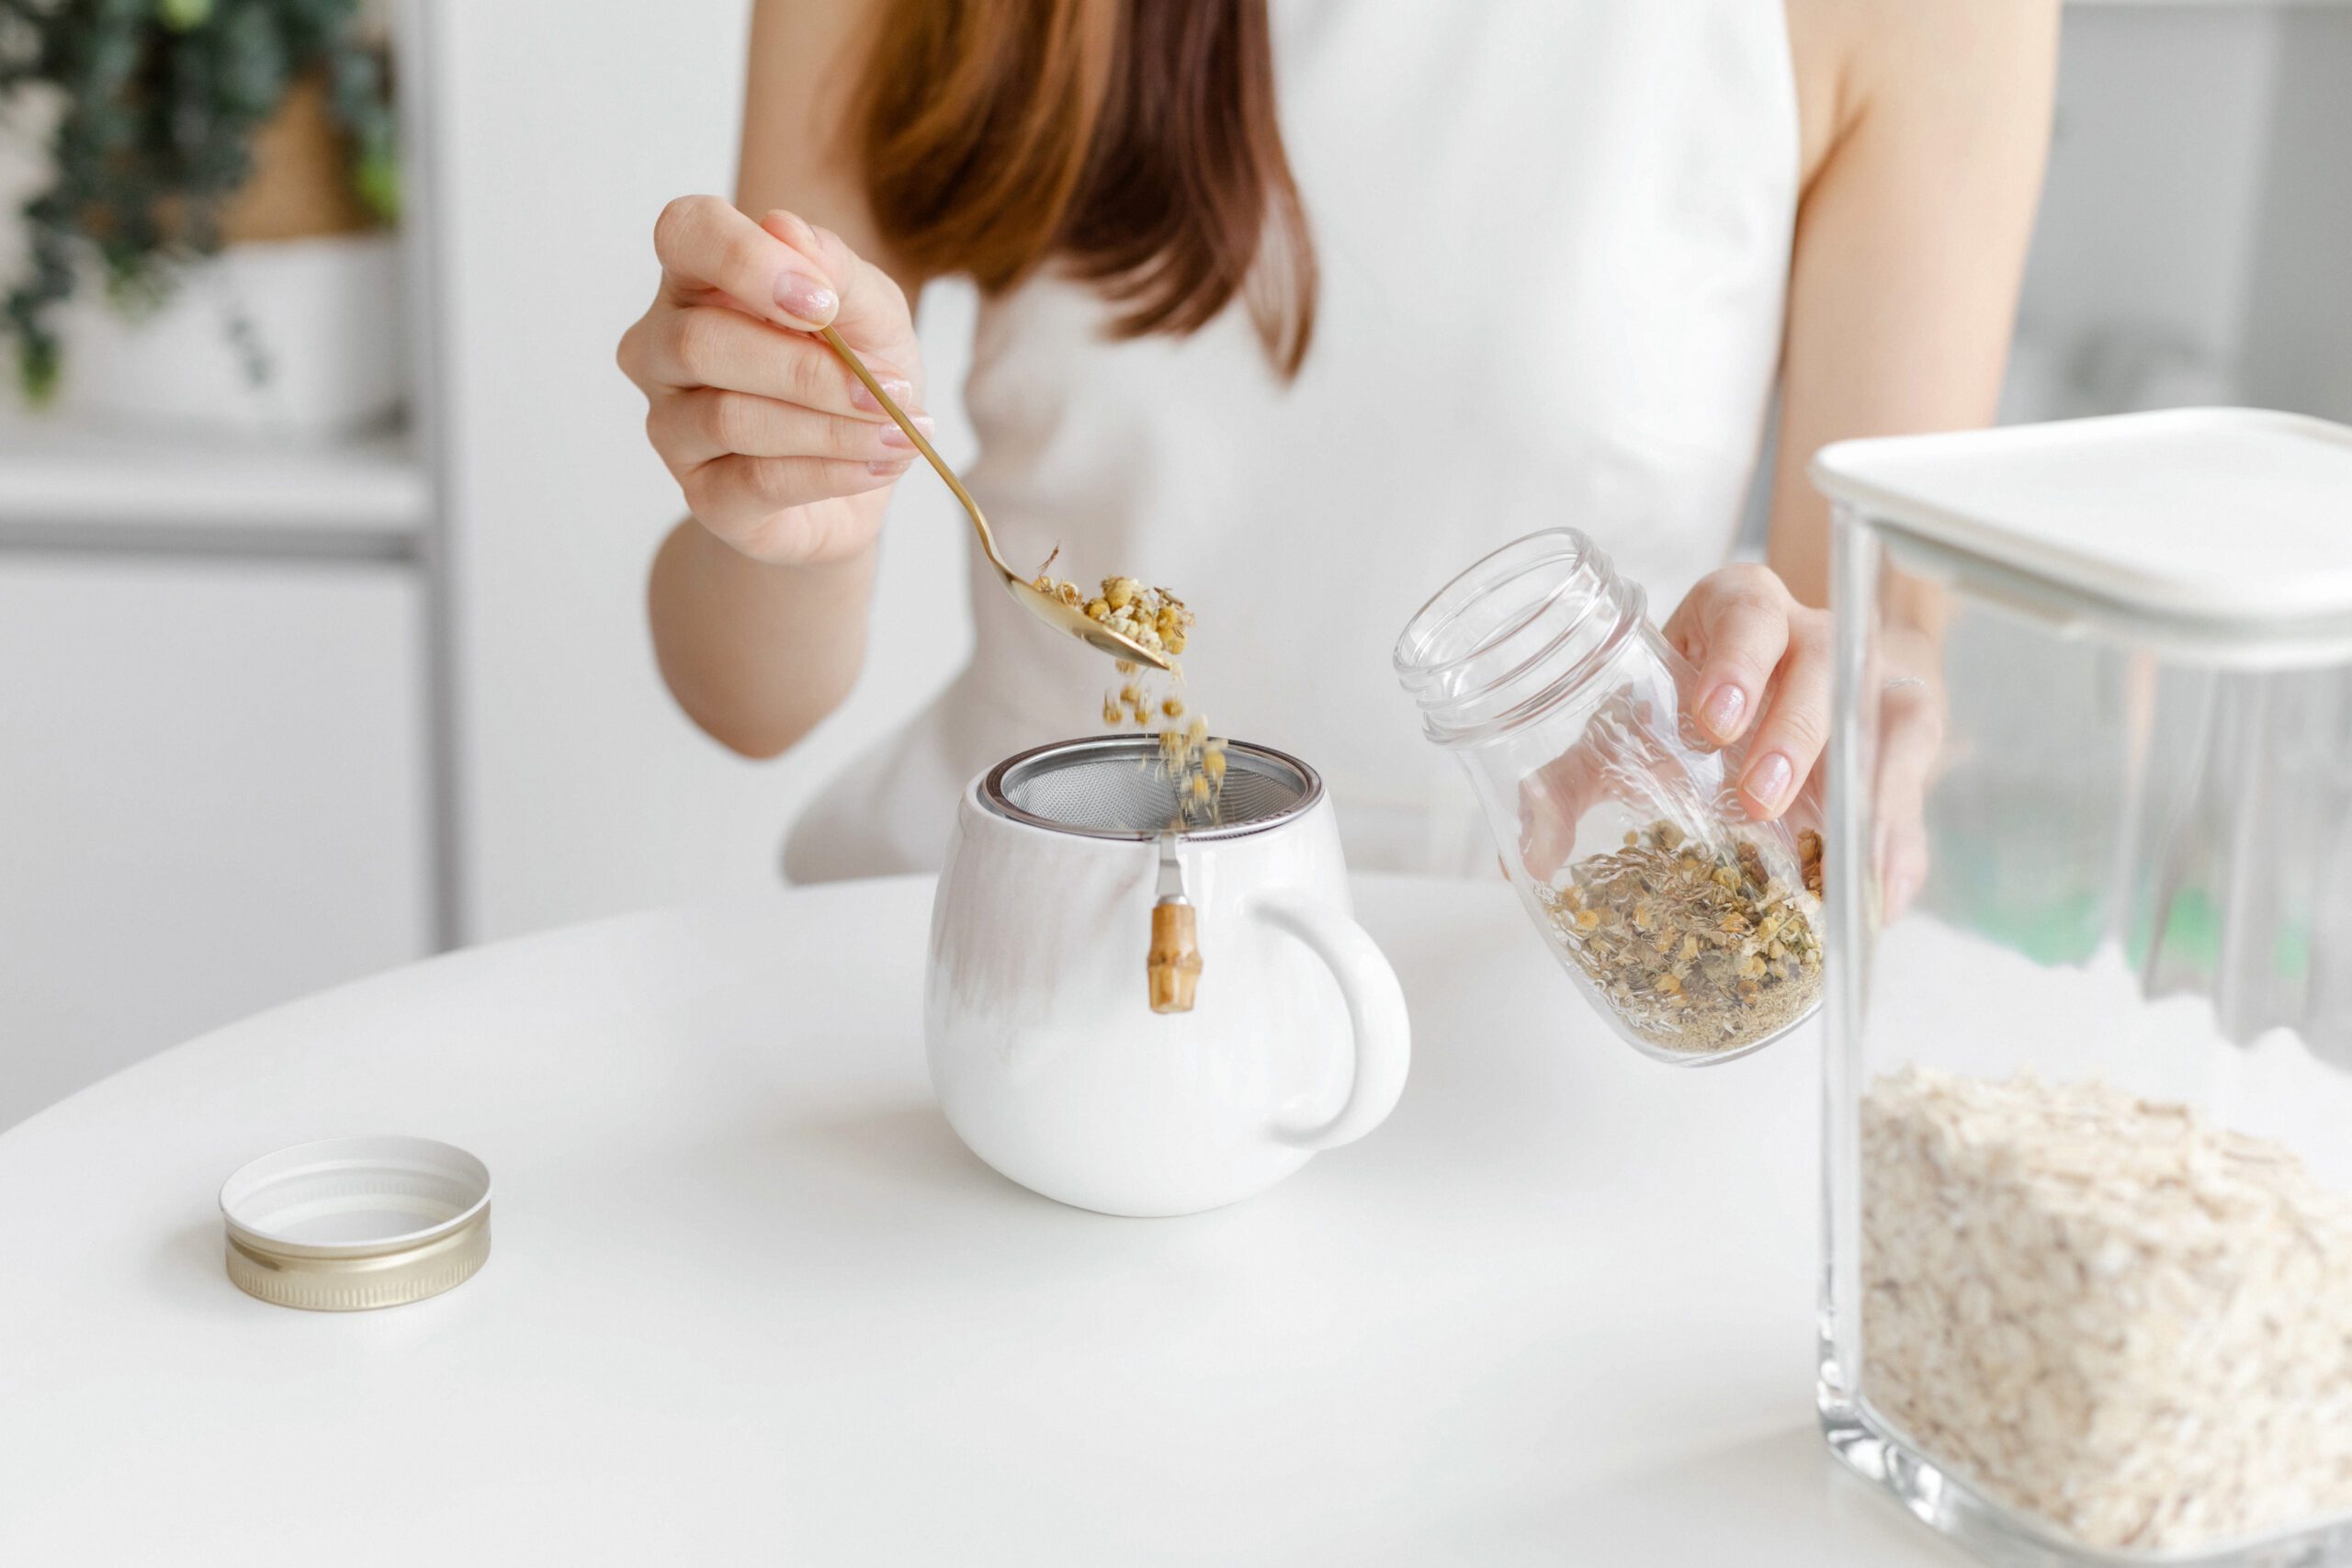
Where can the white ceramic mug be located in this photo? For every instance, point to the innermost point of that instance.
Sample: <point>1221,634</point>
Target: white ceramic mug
<point>1044,1050</point>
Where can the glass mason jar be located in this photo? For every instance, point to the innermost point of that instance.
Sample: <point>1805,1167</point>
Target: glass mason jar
<point>1689,927</point>
<point>2087,1142</point>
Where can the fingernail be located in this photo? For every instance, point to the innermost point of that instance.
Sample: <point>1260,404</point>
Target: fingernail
<point>1769,779</point>
<point>1722,710</point>
<point>896,439</point>
<point>888,466</point>
<point>901,393</point>
<point>804,297</point>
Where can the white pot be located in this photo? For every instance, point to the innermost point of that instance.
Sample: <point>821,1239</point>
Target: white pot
<point>326,313</point>
<point>1045,1054</point>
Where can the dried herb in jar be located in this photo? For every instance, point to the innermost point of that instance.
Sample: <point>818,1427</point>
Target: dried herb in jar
<point>1695,948</point>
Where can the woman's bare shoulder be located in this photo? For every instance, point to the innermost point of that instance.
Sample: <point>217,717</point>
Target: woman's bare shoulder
<point>801,81</point>
<point>1850,54</point>
<point>802,69</point>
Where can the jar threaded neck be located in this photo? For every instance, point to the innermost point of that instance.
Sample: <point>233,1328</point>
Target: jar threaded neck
<point>1515,635</point>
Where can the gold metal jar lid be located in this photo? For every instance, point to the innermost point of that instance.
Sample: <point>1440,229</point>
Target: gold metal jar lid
<point>349,1223</point>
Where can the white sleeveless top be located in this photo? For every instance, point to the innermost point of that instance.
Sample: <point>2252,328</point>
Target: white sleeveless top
<point>1553,237</point>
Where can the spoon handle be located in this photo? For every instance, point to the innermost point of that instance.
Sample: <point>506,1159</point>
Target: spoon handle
<point>939,464</point>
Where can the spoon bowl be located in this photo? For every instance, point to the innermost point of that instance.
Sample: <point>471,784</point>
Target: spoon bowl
<point>1046,607</point>
<point>1079,624</point>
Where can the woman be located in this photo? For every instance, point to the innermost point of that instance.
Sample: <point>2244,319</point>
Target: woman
<point>1497,267</point>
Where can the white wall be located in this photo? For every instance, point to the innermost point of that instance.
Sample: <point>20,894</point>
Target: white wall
<point>2135,291</point>
<point>564,125</point>
<point>2162,124</point>
<point>2192,241</point>
<point>2300,301</point>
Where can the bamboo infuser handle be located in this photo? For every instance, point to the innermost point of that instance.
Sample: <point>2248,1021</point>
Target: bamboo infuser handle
<point>1175,962</point>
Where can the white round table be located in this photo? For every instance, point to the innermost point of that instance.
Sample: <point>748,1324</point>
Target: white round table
<point>749,1300</point>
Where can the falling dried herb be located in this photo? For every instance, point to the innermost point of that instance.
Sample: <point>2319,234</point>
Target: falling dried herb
<point>1695,948</point>
<point>1193,763</point>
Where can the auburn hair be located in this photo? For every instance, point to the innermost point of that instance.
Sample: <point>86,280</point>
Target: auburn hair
<point>1133,139</point>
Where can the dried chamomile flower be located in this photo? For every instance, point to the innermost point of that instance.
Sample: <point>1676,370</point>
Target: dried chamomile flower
<point>1695,947</point>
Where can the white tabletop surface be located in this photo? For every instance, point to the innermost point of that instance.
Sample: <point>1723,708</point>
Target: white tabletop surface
<point>750,1299</point>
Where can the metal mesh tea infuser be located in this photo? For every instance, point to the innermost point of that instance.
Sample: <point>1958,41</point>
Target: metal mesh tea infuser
<point>1112,787</point>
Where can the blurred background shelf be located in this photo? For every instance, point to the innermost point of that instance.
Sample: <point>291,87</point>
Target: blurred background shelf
<point>67,484</point>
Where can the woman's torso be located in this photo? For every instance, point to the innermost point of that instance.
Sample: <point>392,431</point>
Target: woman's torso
<point>1554,240</point>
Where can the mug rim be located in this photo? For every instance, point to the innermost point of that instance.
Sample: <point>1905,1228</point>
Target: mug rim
<point>988,792</point>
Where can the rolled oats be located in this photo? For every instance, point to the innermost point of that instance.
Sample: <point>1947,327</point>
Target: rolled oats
<point>2106,1310</point>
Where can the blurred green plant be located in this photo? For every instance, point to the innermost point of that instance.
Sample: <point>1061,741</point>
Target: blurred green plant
<point>161,99</point>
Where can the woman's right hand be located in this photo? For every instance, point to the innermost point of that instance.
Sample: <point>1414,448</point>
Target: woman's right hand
<point>781,451</point>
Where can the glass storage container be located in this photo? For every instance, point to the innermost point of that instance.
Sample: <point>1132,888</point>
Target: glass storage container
<point>1689,927</point>
<point>2087,1288</point>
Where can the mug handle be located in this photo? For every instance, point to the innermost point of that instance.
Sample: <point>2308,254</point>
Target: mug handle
<point>1383,1040</point>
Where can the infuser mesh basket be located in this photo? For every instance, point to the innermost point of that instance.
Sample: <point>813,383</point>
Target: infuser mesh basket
<point>1115,787</point>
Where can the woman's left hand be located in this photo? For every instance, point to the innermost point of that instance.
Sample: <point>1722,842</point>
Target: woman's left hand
<point>1764,665</point>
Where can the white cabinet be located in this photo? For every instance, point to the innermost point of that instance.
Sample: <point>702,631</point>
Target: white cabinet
<point>212,797</point>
